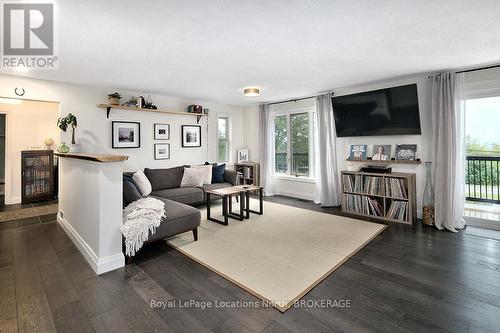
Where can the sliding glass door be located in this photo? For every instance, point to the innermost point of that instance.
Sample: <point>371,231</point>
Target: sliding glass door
<point>482,168</point>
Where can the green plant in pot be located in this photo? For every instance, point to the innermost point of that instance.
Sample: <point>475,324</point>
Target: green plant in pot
<point>66,122</point>
<point>114,98</point>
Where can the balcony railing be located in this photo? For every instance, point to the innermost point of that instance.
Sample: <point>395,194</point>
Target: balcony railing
<point>300,163</point>
<point>482,179</point>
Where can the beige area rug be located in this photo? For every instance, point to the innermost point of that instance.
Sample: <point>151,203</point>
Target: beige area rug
<point>278,256</point>
<point>27,212</point>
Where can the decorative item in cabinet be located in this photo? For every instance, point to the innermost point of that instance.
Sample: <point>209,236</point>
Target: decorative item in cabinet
<point>248,173</point>
<point>37,175</point>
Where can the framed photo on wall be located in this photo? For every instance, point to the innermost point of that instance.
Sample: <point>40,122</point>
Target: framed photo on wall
<point>191,136</point>
<point>162,151</point>
<point>126,134</point>
<point>162,132</point>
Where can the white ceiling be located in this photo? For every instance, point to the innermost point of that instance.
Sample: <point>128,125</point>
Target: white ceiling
<point>210,50</point>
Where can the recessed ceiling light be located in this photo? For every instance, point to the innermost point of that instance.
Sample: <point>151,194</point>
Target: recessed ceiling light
<point>10,101</point>
<point>251,92</point>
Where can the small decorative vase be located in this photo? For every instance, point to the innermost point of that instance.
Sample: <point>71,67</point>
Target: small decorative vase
<point>428,216</point>
<point>63,148</point>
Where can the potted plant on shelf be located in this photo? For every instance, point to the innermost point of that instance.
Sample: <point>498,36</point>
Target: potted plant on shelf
<point>114,98</point>
<point>64,123</point>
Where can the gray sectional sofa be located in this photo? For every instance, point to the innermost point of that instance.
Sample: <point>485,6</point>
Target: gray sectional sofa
<point>166,185</point>
<point>181,216</point>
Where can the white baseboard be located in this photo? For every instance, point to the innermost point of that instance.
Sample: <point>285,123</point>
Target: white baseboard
<point>303,196</point>
<point>99,265</point>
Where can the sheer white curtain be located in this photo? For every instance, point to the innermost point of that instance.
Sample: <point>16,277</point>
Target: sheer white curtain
<point>266,149</point>
<point>447,147</point>
<point>327,173</point>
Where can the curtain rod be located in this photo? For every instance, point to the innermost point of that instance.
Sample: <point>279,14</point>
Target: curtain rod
<point>295,99</point>
<point>473,70</point>
<point>292,100</point>
<point>478,69</point>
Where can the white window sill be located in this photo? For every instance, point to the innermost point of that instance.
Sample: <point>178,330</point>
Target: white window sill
<point>302,179</point>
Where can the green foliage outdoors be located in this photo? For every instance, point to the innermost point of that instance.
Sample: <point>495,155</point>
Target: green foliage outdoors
<point>299,125</point>
<point>482,172</point>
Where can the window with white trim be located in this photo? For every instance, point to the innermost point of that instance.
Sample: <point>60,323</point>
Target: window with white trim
<point>293,142</point>
<point>223,139</point>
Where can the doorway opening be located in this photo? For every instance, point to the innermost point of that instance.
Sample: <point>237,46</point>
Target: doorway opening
<point>482,168</point>
<point>27,128</point>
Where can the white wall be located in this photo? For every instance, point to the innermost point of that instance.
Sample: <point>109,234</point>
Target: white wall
<point>423,86</point>
<point>27,125</point>
<point>307,190</point>
<point>94,129</point>
<point>485,81</point>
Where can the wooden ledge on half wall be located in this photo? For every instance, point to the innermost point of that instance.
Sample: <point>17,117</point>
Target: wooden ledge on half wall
<point>103,158</point>
<point>386,161</point>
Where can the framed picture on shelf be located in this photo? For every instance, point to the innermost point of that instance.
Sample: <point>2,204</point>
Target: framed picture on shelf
<point>126,134</point>
<point>243,155</point>
<point>162,132</point>
<point>358,152</point>
<point>162,151</point>
<point>191,136</point>
<point>381,152</point>
<point>406,152</point>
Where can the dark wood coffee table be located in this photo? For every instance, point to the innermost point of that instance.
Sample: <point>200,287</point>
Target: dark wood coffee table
<point>227,194</point>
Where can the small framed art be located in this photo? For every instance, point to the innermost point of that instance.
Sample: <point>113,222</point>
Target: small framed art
<point>191,136</point>
<point>162,132</point>
<point>243,155</point>
<point>126,134</point>
<point>381,152</point>
<point>406,152</point>
<point>162,151</point>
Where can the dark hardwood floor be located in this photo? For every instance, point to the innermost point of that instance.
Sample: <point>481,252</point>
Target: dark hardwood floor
<point>408,279</point>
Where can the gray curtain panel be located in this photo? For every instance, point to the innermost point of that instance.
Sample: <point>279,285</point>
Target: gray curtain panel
<point>448,150</point>
<point>266,129</point>
<point>327,173</point>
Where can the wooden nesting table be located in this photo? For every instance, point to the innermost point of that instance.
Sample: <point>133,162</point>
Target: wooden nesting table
<point>227,193</point>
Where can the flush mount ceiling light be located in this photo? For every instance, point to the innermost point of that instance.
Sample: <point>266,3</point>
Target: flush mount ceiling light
<point>251,92</point>
<point>10,101</point>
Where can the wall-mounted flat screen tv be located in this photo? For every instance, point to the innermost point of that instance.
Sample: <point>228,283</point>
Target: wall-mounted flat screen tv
<point>391,111</point>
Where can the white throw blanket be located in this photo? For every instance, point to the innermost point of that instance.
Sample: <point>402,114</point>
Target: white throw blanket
<point>139,218</point>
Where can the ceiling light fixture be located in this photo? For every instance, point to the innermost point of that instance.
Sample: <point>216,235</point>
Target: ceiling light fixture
<point>10,101</point>
<point>251,92</point>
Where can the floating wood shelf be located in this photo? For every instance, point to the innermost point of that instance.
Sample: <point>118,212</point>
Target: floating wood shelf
<point>108,108</point>
<point>386,162</point>
<point>103,158</point>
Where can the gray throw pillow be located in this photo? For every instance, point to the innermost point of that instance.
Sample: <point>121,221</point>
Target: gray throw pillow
<point>130,193</point>
<point>161,179</point>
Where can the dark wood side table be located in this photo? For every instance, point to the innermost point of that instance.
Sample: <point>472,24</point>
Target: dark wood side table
<point>249,189</point>
<point>227,194</point>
